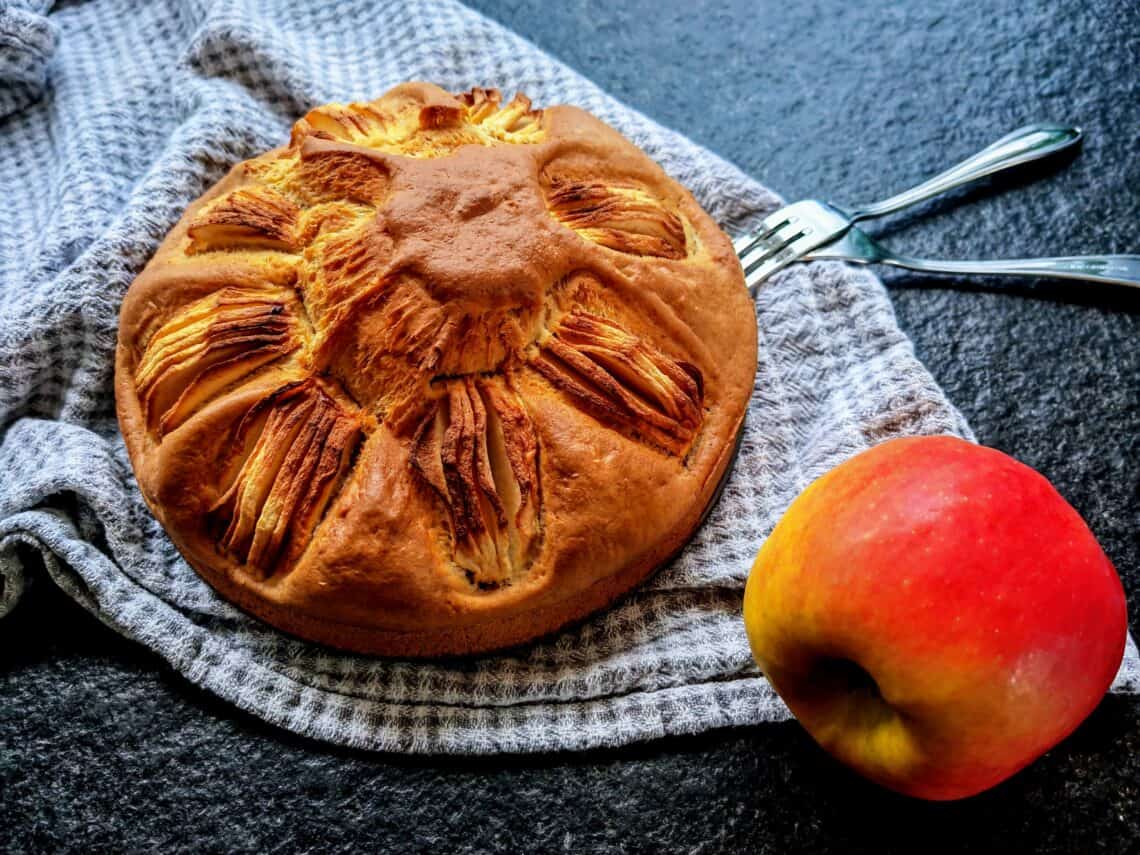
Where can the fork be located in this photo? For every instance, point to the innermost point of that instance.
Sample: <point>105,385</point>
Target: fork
<point>855,245</point>
<point>796,229</point>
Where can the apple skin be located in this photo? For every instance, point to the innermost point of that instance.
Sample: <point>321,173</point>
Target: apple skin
<point>936,615</point>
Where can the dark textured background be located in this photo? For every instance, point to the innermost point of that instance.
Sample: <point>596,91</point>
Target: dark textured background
<point>101,746</point>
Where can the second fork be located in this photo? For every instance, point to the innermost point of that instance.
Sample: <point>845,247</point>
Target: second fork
<point>794,230</point>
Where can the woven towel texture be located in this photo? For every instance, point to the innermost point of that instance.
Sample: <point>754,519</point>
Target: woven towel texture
<point>140,109</point>
<point>27,42</point>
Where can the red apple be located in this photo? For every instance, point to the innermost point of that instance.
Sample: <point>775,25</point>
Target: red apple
<point>936,615</point>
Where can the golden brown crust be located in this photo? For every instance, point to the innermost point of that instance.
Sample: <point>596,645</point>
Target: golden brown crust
<point>438,377</point>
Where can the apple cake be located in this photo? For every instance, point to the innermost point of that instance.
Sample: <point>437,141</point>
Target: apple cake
<point>440,376</point>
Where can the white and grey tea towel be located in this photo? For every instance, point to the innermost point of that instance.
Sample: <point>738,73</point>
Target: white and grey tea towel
<point>116,115</point>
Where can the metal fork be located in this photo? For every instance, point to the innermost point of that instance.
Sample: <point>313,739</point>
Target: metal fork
<point>854,245</point>
<point>794,230</point>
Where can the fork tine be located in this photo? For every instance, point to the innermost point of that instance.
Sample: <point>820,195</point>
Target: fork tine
<point>754,277</point>
<point>790,251</point>
<point>768,226</point>
<point>783,238</point>
<point>764,245</point>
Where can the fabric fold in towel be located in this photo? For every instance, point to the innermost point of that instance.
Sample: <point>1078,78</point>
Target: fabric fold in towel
<point>28,40</point>
<point>150,104</point>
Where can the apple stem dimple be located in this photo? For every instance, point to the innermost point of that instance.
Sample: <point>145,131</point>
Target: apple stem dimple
<point>847,676</point>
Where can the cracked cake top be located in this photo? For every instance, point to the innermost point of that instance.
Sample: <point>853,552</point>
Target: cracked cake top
<point>439,376</point>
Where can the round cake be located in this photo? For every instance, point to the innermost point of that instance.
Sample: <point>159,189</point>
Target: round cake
<point>439,376</point>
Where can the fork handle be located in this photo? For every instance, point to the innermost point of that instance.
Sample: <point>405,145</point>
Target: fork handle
<point>1022,146</point>
<point>1111,269</point>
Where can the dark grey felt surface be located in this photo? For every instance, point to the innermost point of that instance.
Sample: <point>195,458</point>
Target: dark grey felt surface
<point>101,747</point>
